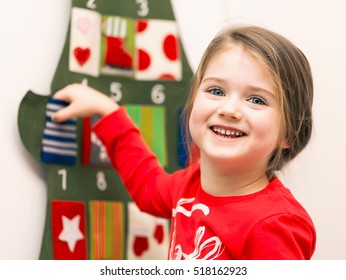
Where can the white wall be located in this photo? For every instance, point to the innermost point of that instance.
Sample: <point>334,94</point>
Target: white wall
<point>31,39</point>
<point>32,34</point>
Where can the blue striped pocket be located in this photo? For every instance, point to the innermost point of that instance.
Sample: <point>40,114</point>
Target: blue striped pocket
<point>59,143</point>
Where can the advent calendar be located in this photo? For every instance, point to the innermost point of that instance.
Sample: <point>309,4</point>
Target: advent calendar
<point>131,51</point>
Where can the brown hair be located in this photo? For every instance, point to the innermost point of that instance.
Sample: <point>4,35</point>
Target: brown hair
<point>292,78</point>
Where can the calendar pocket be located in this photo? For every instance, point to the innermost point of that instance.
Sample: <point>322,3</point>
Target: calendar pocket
<point>59,143</point>
<point>151,121</point>
<point>157,50</point>
<point>107,230</point>
<point>69,230</point>
<point>117,46</point>
<point>94,153</point>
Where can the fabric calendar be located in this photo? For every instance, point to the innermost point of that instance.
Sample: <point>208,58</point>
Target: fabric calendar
<point>131,51</point>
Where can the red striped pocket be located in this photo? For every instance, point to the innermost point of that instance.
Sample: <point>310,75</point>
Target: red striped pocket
<point>107,236</point>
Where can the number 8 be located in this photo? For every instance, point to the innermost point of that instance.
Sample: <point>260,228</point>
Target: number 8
<point>101,181</point>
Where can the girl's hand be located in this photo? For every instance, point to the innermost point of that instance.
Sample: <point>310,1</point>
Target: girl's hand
<point>84,101</point>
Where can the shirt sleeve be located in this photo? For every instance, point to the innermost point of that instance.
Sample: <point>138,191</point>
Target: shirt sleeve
<point>280,237</point>
<point>143,176</point>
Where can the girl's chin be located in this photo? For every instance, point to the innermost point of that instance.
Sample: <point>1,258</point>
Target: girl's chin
<point>224,157</point>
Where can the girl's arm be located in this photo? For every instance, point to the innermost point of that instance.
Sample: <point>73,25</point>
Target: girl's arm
<point>281,237</point>
<point>146,181</point>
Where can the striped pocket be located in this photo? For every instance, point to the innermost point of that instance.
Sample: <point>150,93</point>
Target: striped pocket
<point>106,230</point>
<point>59,143</point>
<point>151,121</point>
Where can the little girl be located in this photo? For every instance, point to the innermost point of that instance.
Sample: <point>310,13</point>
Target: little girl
<point>248,113</point>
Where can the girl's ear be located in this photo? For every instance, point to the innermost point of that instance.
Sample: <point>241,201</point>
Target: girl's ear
<point>284,144</point>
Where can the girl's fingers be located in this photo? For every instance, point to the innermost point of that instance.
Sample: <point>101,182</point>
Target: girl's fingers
<point>84,101</point>
<point>63,114</point>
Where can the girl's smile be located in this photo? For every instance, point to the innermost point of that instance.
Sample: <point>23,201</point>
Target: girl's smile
<point>227,133</point>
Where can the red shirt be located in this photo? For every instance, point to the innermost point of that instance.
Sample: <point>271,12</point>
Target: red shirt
<point>269,224</point>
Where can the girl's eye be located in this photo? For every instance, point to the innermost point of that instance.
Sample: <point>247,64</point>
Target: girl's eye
<point>216,91</point>
<point>257,100</point>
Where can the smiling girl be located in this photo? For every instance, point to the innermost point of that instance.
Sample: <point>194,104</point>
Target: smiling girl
<point>248,114</point>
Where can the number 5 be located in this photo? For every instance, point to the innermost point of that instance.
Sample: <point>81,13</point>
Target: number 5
<point>115,89</point>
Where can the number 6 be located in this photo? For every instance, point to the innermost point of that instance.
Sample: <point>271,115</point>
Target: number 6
<point>158,94</point>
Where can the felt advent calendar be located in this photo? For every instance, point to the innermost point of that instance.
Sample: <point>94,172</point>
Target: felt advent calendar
<point>131,51</point>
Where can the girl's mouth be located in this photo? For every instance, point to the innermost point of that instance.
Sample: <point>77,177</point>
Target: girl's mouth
<point>227,132</point>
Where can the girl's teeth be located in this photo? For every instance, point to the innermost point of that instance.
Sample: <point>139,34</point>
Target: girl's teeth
<point>227,133</point>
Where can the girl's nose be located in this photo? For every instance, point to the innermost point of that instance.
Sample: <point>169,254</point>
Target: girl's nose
<point>231,108</point>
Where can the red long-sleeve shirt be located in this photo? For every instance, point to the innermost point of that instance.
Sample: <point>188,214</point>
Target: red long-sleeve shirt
<point>269,224</point>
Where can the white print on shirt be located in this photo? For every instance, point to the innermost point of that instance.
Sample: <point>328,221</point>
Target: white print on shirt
<point>209,249</point>
<point>181,209</point>
<point>212,245</point>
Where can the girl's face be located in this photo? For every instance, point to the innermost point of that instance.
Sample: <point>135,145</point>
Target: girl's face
<point>235,119</point>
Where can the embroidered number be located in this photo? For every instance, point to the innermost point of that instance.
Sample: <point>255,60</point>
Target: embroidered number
<point>91,4</point>
<point>116,93</point>
<point>85,82</point>
<point>63,174</point>
<point>143,8</point>
<point>101,181</point>
<point>158,94</point>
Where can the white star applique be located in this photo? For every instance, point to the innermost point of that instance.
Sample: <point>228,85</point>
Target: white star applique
<point>70,232</point>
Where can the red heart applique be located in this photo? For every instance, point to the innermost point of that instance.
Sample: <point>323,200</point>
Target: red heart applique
<point>82,55</point>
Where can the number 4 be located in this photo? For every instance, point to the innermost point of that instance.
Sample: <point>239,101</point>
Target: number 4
<point>91,4</point>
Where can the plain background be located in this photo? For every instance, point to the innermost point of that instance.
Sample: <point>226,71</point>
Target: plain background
<point>32,34</point>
